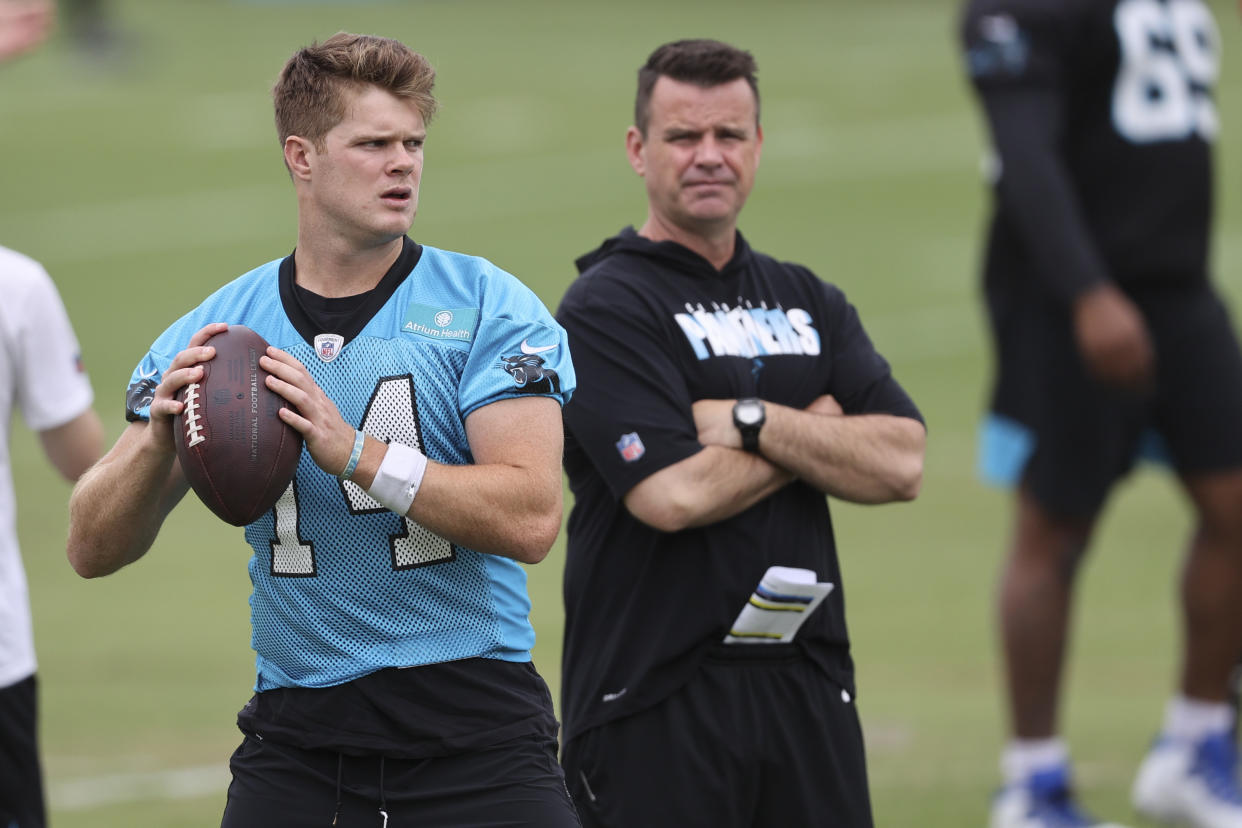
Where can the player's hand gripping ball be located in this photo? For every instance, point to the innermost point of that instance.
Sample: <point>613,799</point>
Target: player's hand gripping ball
<point>235,451</point>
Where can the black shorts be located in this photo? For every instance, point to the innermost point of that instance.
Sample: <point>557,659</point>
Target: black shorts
<point>21,780</point>
<point>516,784</point>
<point>1069,439</point>
<point>759,737</point>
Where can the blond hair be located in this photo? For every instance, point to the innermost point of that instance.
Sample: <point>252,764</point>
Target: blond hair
<point>310,95</point>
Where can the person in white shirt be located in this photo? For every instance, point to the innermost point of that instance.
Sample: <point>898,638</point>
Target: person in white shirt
<point>41,375</point>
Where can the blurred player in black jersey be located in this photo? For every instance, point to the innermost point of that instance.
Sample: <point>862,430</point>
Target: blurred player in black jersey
<point>721,395</point>
<point>1111,343</point>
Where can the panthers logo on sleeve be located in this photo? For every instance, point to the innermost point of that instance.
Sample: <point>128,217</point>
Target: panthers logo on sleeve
<point>998,47</point>
<point>138,397</point>
<point>529,371</point>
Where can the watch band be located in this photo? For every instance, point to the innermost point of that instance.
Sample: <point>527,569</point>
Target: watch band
<point>750,438</point>
<point>749,416</point>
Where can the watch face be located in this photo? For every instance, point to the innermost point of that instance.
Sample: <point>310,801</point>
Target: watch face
<point>749,413</point>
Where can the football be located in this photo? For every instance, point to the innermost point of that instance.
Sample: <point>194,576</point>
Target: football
<point>235,451</point>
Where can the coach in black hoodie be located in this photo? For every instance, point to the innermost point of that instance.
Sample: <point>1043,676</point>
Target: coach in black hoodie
<point>722,394</point>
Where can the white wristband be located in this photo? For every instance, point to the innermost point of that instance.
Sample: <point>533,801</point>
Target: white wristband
<point>398,478</point>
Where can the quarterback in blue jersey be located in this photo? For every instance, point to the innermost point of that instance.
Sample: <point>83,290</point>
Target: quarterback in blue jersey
<point>389,612</point>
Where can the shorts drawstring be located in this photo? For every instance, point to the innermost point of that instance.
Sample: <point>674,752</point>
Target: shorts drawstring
<point>383,809</point>
<point>383,803</point>
<point>340,761</point>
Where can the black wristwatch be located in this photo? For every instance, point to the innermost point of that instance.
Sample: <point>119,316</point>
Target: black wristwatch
<point>748,416</point>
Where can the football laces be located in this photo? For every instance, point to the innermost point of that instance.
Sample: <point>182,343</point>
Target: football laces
<point>193,429</point>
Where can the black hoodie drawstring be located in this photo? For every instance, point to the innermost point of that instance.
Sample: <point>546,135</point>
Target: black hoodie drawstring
<point>383,805</point>
<point>340,761</point>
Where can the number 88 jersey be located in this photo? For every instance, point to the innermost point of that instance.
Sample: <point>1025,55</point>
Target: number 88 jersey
<point>1133,120</point>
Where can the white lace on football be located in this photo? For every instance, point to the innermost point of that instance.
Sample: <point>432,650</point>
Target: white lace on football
<point>192,427</point>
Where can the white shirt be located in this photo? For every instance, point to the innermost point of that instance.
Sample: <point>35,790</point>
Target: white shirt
<point>41,375</point>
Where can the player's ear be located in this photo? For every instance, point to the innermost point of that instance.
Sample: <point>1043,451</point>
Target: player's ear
<point>634,145</point>
<point>298,152</point>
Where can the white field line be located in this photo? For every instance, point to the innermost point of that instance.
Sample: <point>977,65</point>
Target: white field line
<point>85,793</point>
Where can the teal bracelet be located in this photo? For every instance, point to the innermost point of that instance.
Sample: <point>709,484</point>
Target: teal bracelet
<point>359,440</point>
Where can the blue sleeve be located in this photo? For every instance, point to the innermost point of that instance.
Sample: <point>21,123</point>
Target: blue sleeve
<point>150,371</point>
<point>251,299</point>
<point>519,349</point>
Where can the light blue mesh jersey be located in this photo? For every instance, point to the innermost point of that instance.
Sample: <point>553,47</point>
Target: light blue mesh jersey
<point>342,586</point>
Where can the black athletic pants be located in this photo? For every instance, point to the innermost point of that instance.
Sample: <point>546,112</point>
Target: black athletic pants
<point>514,785</point>
<point>759,737</point>
<point>21,780</point>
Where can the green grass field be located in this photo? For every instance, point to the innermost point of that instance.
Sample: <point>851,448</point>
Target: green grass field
<point>145,184</point>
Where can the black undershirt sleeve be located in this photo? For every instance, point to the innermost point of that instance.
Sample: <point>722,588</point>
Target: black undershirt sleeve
<point>1035,192</point>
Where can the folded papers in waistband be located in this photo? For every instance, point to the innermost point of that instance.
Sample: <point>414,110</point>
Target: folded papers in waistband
<point>779,606</point>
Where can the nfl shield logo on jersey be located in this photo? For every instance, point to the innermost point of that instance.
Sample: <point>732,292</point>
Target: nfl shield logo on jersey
<point>327,346</point>
<point>631,447</point>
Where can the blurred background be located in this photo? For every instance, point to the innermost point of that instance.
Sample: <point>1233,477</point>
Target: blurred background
<point>139,163</point>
